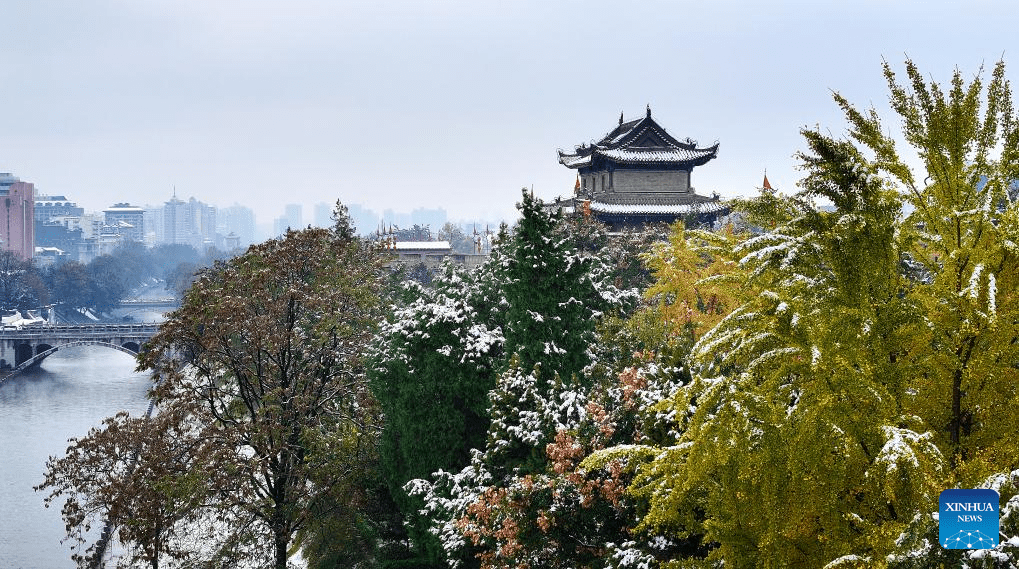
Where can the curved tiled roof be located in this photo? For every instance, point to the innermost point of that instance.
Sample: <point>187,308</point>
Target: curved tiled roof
<point>641,155</point>
<point>641,141</point>
<point>617,134</point>
<point>700,207</point>
<point>573,160</point>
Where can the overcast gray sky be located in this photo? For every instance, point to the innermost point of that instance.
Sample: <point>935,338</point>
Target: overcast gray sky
<point>439,103</point>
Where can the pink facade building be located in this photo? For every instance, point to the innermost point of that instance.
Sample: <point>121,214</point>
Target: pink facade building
<point>17,216</point>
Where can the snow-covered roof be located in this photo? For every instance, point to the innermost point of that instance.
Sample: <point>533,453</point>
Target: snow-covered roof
<point>702,207</point>
<point>16,320</point>
<point>641,141</point>
<point>640,155</point>
<point>422,245</point>
<point>574,160</point>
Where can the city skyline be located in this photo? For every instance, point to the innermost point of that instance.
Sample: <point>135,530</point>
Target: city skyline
<point>63,229</point>
<point>401,105</point>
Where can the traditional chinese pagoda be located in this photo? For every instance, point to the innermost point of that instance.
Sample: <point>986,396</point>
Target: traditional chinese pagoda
<point>639,174</point>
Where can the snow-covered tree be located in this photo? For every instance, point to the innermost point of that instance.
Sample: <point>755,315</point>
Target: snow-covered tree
<point>437,361</point>
<point>918,546</point>
<point>343,224</point>
<point>147,477</point>
<point>962,233</point>
<point>549,295</point>
<point>549,301</point>
<point>826,413</point>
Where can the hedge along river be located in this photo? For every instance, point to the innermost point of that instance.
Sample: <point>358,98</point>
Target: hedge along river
<point>70,392</point>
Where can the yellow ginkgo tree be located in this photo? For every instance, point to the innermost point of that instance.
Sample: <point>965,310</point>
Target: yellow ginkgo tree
<point>874,362</point>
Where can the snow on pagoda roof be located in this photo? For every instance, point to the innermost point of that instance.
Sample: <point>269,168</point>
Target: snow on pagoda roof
<point>701,207</point>
<point>574,160</point>
<point>641,141</point>
<point>670,155</point>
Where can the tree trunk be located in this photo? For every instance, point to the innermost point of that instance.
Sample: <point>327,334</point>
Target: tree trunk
<point>955,426</point>
<point>282,539</point>
<point>956,422</point>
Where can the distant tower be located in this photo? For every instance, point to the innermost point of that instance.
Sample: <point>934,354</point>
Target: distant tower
<point>176,222</point>
<point>323,215</point>
<point>292,213</point>
<point>639,174</point>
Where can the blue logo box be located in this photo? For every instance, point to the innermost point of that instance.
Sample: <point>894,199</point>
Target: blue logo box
<point>968,519</point>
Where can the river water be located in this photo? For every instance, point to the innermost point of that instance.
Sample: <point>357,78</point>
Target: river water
<point>70,392</point>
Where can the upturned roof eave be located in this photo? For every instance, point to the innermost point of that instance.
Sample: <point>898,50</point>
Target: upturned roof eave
<point>574,161</point>
<point>710,206</point>
<point>628,133</point>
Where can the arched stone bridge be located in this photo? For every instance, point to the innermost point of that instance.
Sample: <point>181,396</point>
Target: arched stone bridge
<point>23,348</point>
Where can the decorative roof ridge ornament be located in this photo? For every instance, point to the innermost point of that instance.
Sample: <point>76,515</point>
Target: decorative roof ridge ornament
<point>620,118</point>
<point>649,110</point>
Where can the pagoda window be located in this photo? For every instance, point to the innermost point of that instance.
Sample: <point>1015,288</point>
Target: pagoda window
<point>611,185</point>
<point>603,181</point>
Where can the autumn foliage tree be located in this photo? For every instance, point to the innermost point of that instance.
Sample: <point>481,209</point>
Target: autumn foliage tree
<point>275,340</point>
<point>265,424</point>
<point>144,476</point>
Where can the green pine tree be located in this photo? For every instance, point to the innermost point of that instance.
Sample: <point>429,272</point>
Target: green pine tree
<point>550,295</point>
<point>436,365</point>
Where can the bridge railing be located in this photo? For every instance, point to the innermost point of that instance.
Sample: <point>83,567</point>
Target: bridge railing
<point>103,327</point>
<point>79,330</point>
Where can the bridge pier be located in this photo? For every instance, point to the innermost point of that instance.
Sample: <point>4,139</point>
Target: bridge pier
<point>15,353</point>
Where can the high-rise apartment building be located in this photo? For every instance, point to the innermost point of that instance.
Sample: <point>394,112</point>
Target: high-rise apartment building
<point>203,223</point>
<point>48,207</point>
<point>291,219</point>
<point>127,220</point>
<point>238,220</point>
<point>323,215</point>
<point>189,222</point>
<point>433,218</point>
<point>154,228</point>
<point>365,220</point>
<point>175,222</point>
<point>292,212</point>
<point>17,216</point>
